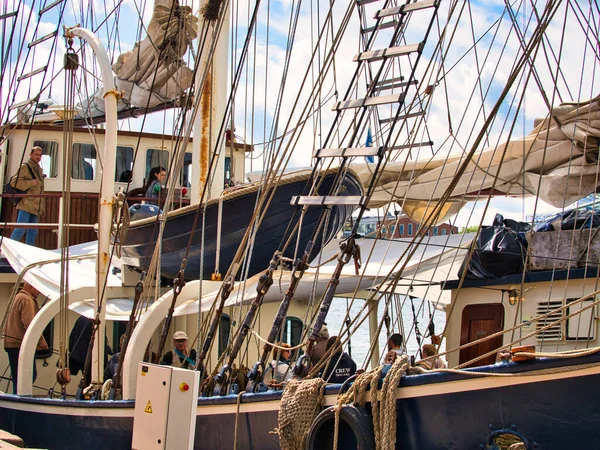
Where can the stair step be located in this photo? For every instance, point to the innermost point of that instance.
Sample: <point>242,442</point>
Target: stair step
<point>368,101</point>
<point>406,8</point>
<point>391,52</point>
<point>32,73</point>
<point>322,200</point>
<point>365,2</point>
<point>413,145</point>
<point>405,116</point>
<point>348,152</point>
<point>394,83</point>
<point>42,39</point>
<point>8,15</point>
<point>383,26</point>
<point>49,7</point>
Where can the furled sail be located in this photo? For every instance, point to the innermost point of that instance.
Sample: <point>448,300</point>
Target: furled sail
<point>153,73</point>
<point>557,161</point>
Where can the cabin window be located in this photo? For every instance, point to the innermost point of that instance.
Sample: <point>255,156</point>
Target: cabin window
<point>83,162</point>
<point>224,330</point>
<point>392,230</point>
<point>227,170</point>
<point>49,160</point>
<point>156,158</point>
<point>410,229</point>
<point>124,164</point>
<point>401,229</point>
<point>292,331</point>
<point>443,232</point>
<point>435,231</point>
<point>119,329</point>
<point>185,179</point>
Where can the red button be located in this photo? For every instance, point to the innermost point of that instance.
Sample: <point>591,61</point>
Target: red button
<point>184,387</point>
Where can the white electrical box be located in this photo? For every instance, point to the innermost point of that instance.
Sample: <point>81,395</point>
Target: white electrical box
<point>165,408</point>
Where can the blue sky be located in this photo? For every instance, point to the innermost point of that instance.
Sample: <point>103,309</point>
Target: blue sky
<point>459,93</point>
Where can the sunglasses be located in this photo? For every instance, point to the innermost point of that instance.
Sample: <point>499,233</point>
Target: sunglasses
<point>180,340</point>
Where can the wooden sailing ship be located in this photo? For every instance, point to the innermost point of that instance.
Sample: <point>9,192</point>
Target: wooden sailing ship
<point>401,67</point>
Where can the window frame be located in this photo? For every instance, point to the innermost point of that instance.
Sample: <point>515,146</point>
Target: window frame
<point>49,174</point>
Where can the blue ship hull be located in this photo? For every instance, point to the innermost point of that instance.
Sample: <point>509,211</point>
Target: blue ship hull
<point>434,411</point>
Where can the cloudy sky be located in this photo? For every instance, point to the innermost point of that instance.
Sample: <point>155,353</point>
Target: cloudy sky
<point>479,42</point>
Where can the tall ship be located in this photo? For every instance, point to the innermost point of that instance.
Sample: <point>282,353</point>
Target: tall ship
<point>209,171</point>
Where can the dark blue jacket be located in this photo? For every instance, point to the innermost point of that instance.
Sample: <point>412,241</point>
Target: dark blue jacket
<point>338,372</point>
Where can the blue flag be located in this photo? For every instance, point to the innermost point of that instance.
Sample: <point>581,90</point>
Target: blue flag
<point>369,143</point>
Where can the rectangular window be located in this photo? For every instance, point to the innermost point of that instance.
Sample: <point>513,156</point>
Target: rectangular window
<point>410,229</point>
<point>83,162</point>
<point>401,229</point>
<point>435,231</point>
<point>392,230</point>
<point>224,330</point>
<point>124,164</point>
<point>443,232</point>
<point>185,180</point>
<point>49,157</point>
<point>227,170</point>
<point>156,158</point>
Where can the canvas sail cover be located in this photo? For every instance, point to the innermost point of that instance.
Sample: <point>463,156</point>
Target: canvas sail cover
<point>152,73</point>
<point>557,161</point>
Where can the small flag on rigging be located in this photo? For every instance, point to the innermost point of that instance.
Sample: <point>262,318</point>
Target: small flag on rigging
<point>369,143</point>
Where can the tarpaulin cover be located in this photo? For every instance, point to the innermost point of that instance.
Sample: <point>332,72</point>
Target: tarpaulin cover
<point>500,250</point>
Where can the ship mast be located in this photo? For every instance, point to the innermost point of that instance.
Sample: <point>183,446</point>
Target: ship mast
<point>106,195</point>
<point>212,110</point>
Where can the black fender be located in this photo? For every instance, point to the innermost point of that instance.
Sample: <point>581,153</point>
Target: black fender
<point>355,430</point>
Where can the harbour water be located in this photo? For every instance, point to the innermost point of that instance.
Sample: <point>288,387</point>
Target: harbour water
<point>360,341</point>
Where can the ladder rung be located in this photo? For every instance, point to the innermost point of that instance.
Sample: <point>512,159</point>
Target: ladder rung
<point>406,116</point>
<point>349,152</point>
<point>383,26</point>
<point>49,7</point>
<point>32,73</point>
<point>394,83</point>
<point>403,9</point>
<point>23,103</point>
<point>365,2</point>
<point>319,200</point>
<point>8,15</point>
<point>413,145</point>
<point>42,39</point>
<point>391,52</point>
<point>369,101</point>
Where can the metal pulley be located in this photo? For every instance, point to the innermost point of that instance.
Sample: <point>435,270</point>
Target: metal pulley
<point>71,59</point>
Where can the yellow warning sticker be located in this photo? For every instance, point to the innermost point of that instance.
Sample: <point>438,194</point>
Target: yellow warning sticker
<point>148,408</point>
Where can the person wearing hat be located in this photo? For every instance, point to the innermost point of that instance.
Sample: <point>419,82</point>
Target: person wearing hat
<point>180,356</point>
<point>320,346</point>
<point>278,371</point>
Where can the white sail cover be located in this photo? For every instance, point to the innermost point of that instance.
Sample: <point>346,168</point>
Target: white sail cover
<point>436,260</point>
<point>153,72</point>
<point>557,161</point>
<point>45,276</point>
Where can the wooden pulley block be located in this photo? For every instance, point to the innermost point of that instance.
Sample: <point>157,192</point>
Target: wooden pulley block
<point>63,376</point>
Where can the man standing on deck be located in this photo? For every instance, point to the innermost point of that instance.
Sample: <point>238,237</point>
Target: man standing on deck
<point>29,178</point>
<point>395,348</point>
<point>22,312</point>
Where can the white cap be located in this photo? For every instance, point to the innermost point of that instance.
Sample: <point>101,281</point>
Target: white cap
<point>179,335</point>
